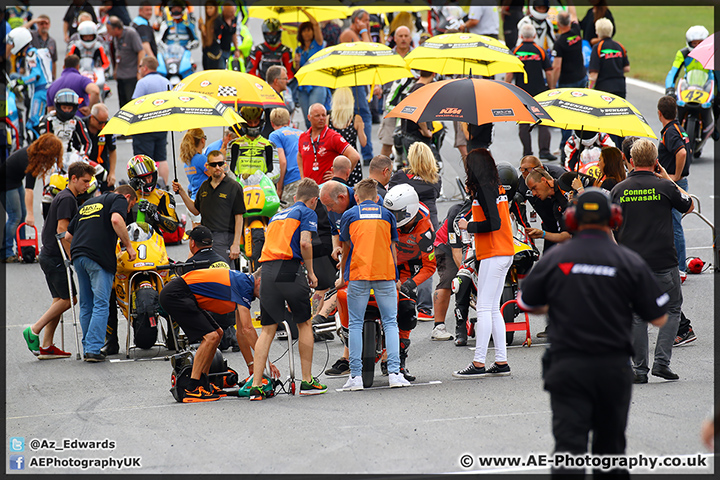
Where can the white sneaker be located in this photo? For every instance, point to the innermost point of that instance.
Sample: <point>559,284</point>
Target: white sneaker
<point>398,380</point>
<point>440,333</point>
<point>354,383</point>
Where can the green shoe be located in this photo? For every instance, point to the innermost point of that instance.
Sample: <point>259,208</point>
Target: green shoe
<point>32,340</point>
<point>312,388</point>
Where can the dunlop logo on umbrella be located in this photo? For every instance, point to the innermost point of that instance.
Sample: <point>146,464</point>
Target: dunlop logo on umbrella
<point>578,94</point>
<point>607,98</point>
<point>139,101</point>
<point>184,99</point>
<point>553,93</point>
<point>158,102</point>
<point>503,112</point>
<point>616,111</point>
<point>205,83</point>
<point>258,86</point>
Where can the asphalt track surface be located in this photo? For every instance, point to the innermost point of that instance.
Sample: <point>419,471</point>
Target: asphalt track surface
<point>421,429</point>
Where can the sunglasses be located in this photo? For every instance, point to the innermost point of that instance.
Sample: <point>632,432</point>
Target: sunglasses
<point>216,164</point>
<point>100,122</point>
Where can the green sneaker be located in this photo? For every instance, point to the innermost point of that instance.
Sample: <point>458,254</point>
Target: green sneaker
<point>32,340</point>
<point>312,388</point>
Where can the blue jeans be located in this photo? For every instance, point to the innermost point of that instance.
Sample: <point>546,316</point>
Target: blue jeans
<point>307,98</point>
<point>13,202</point>
<point>669,282</point>
<point>362,108</point>
<point>565,134</point>
<point>95,286</point>
<point>358,293</point>
<point>678,230</point>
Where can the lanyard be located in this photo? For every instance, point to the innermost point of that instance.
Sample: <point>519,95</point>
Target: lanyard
<point>314,144</point>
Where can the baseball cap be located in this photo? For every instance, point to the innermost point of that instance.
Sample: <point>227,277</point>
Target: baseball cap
<point>202,235</point>
<point>593,206</point>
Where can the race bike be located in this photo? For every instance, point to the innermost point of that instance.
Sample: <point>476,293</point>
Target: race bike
<point>694,100</point>
<point>138,284</point>
<point>526,254</point>
<point>373,334</point>
<point>96,74</point>
<point>12,122</point>
<point>174,62</point>
<point>261,203</point>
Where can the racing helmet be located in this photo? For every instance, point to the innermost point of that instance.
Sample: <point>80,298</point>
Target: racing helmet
<point>87,28</point>
<point>508,179</point>
<point>537,16</point>
<point>139,167</point>
<point>588,138</point>
<point>403,202</point>
<point>177,9</point>
<point>696,32</point>
<point>19,38</point>
<point>66,96</point>
<point>250,114</point>
<point>272,30</point>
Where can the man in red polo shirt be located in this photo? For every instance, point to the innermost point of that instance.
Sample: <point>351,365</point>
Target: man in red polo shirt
<point>318,147</point>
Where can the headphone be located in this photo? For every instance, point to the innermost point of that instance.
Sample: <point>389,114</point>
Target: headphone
<point>573,218</point>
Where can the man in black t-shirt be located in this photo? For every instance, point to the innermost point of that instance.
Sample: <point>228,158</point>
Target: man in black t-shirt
<point>537,67</point>
<point>544,208</point>
<point>647,199</point>
<point>590,288</point>
<point>62,209</point>
<point>142,24</point>
<point>608,62</point>
<point>543,186</point>
<point>221,204</point>
<point>93,234</point>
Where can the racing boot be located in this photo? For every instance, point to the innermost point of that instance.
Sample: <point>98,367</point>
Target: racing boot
<point>460,329</point>
<point>111,346</point>
<point>404,345</point>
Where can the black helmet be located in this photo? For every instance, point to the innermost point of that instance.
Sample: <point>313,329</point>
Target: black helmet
<point>65,97</point>
<point>508,179</point>
<point>272,30</point>
<point>250,114</point>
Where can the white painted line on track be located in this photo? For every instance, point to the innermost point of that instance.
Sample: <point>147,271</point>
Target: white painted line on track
<point>105,410</point>
<point>646,85</point>
<point>454,419</point>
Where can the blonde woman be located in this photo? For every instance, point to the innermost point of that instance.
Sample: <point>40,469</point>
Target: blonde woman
<point>350,126</point>
<point>422,174</point>
<point>191,148</point>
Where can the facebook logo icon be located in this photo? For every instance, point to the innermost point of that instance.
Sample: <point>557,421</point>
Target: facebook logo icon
<point>17,462</point>
<point>17,444</point>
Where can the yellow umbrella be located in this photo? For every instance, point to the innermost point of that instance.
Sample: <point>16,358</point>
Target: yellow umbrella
<point>390,6</point>
<point>463,54</point>
<point>170,111</point>
<point>352,64</point>
<point>589,110</point>
<point>232,88</point>
<point>290,12</point>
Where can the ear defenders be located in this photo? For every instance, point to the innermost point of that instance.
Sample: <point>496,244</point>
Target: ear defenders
<point>593,201</point>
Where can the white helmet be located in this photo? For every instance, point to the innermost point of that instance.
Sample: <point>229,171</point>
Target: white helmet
<point>87,28</point>
<point>402,200</point>
<point>539,17</point>
<point>696,32</point>
<point>19,38</point>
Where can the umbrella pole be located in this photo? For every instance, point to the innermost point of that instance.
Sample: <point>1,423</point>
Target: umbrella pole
<point>172,139</point>
<point>581,147</point>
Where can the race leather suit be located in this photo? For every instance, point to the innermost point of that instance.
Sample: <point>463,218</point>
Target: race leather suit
<point>164,215</point>
<point>73,133</point>
<point>247,155</point>
<point>683,60</point>
<point>181,33</point>
<point>572,154</point>
<point>97,54</point>
<point>545,37</point>
<point>416,263</point>
<point>264,56</point>
<point>38,77</point>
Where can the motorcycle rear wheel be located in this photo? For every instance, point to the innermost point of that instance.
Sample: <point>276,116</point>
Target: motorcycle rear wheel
<point>691,126</point>
<point>368,353</point>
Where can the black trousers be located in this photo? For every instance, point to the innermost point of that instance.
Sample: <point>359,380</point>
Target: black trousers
<point>126,87</point>
<point>589,394</point>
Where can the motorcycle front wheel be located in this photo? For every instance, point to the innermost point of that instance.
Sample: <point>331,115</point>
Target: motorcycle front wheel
<point>691,126</point>
<point>368,353</point>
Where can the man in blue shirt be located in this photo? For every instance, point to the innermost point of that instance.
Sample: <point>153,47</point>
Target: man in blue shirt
<point>285,138</point>
<point>154,144</point>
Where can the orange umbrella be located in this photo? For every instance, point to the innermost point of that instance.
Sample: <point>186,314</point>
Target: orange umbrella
<point>472,100</point>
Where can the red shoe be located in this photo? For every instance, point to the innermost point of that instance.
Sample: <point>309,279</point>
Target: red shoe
<point>52,352</point>
<point>424,316</point>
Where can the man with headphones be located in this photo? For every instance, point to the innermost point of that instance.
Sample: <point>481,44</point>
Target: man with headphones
<point>591,286</point>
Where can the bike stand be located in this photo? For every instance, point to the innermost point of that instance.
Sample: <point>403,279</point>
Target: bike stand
<point>518,326</point>
<point>291,359</point>
<point>715,247</point>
